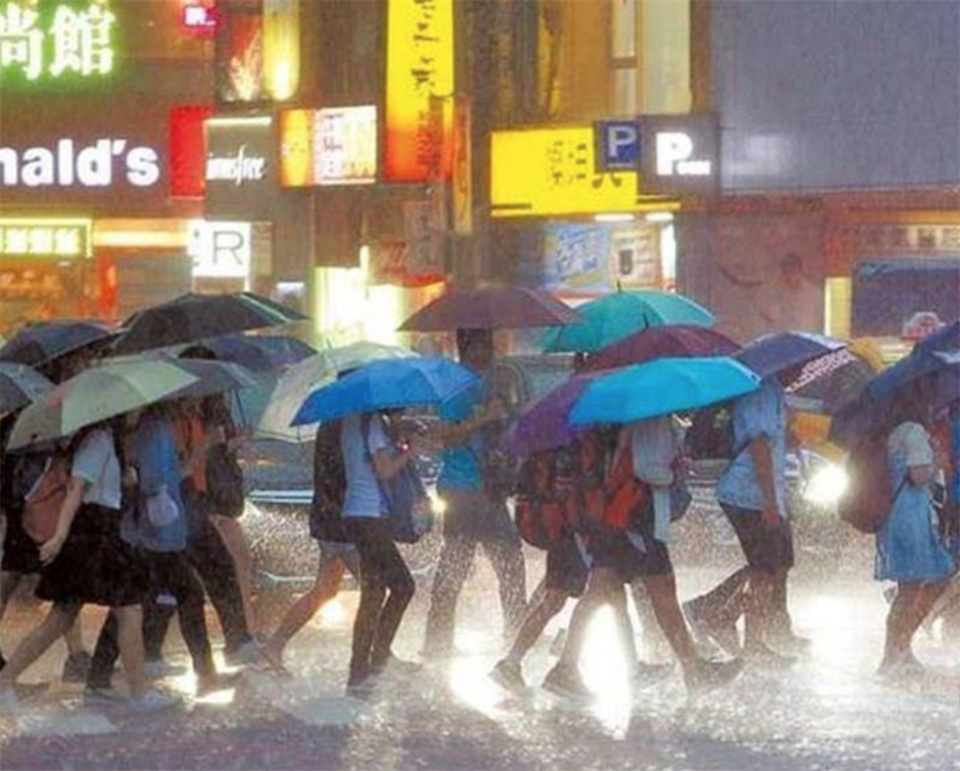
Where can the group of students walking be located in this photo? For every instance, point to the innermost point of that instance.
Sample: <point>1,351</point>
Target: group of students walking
<point>135,535</point>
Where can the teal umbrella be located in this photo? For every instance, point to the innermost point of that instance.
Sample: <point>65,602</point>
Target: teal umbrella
<point>616,316</point>
<point>661,387</point>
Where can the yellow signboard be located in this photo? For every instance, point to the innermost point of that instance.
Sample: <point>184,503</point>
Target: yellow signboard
<point>419,66</point>
<point>57,238</point>
<point>551,171</point>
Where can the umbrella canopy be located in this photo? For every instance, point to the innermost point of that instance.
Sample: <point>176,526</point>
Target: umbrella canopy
<point>298,382</point>
<point>661,387</point>
<point>259,353</point>
<point>19,386</point>
<point>95,395</point>
<point>771,354</point>
<point>388,384</point>
<point>945,339</point>
<point>870,412</point>
<point>613,317</point>
<point>213,377</point>
<point>828,384</point>
<point>193,317</point>
<point>42,343</point>
<point>545,424</point>
<point>492,307</point>
<point>682,340</point>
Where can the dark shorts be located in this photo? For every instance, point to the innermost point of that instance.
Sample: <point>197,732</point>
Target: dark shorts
<point>345,552</point>
<point>20,553</point>
<point>566,570</point>
<point>642,556</point>
<point>768,548</point>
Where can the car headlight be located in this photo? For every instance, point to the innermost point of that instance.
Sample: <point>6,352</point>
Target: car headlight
<point>826,485</point>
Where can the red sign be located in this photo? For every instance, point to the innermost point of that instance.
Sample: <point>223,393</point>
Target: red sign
<point>188,150</point>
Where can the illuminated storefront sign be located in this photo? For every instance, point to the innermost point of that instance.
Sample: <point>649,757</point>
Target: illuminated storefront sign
<point>243,166</point>
<point>100,164</point>
<point>281,48</point>
<point>200,18</point>
<point>241,170</point>
<point>334,146</point>
<point>56,238</point>
<point>72,40</point>
<point>419,66</point>
<point>552,171</point>
<point>220,249</point>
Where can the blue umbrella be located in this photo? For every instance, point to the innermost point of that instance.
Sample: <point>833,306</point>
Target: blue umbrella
<point>870,413</point>
<point>386,384</point>
<point>661,387</point>
<point>945,339</point>
<point>778,352</point>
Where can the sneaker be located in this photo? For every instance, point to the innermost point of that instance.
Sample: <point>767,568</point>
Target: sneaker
<point>247,654</point>
<point>707,676</point>
<point>763,657</point>
<point>76,667</point>
<point>218,681</point>
<point>360,685</point>
<point>104,695</point>
<point>153,701</point>
<point>396,666</point>
<point>158,669</point>
<point>645,673</point>
<point>509,676</point>
<point>567,682</point>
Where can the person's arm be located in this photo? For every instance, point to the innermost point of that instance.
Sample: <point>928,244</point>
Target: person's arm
<point>387,465</point>
<point>763,463</point>
<point>71,504</point>
<point>450,434</point>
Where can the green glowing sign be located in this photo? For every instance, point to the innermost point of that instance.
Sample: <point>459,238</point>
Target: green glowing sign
<point>73,39</point>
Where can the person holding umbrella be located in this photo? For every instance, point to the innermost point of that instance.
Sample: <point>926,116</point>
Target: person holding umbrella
<point>373,456</point>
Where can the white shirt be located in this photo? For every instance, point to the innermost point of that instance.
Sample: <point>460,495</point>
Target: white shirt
<point>95,462</point>
<point>363,498</point>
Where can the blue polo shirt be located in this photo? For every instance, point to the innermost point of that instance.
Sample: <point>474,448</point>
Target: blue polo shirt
<point>460,464</point>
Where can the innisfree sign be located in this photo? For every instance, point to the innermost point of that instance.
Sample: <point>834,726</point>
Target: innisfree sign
<point>53,40</point>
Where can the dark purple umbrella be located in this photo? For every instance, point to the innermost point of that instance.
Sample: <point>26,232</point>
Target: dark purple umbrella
<point>771,354</point>
<point>42,343</point>
<point>492,307</point>
<point>545,424</point>
<point>681,340</point>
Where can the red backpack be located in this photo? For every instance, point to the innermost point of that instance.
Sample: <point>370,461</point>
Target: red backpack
<point>41,512</point>
<point>870,494</point>
<point>611,498</point>
<point>542,504</point>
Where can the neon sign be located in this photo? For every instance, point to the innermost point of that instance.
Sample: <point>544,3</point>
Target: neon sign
<point>74,40</point>
<point>66,164</point>
<point>63,238</point>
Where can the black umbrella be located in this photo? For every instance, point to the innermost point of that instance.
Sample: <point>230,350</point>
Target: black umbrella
<point>41,343</point>
<point>213,377</point>
<point>19,386</point>
<point>259,353</point>
<point>194,317</point>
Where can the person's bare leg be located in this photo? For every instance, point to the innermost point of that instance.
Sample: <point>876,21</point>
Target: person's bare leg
<point>598,593</point>
<point>130,642</point>
<point>34,645</point>
<point>329,576</point>
<point>759,598</point>
<point>539,615</point>
<point>239,548</point>
<point>898,621</point>
<point>926,597</point>
<point>666,607</point>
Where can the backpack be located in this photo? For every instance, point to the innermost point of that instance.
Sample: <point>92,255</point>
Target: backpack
<point>225,495</point>
<point>541,508</point>
<point>329,485</point>
<point>710,436</point>
<point>41,512</point>
<point>607,500</point>
<point>870,493</point>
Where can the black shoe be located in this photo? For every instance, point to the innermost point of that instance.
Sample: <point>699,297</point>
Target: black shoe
<point>509,676</point>
<point>646,674</point>
<point>360,684</point>
<point>567,682</point>
<point>76,667</point>
<point>707,676</point>
<point>762,657</point>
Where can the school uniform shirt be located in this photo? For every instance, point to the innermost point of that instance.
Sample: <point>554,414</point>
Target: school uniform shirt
<point>460,469</point>
<point>95,462</point>
<point>363,497</point>
<point>761,413</point>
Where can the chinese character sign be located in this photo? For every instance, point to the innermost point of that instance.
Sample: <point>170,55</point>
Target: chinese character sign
<point>419,66</point>
<point>549,171</point>
<point>60,239</point>
<point>56,40</point>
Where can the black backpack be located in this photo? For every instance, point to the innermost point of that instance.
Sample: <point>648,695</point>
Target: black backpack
<point>225,495</point>
<point>329,485</point>
<point>710,436</point>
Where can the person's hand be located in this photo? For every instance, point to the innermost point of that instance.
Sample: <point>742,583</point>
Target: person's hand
<point>50,549</point>
<point>495,409</point>
<point>771,516</point>
<point>130,477</point>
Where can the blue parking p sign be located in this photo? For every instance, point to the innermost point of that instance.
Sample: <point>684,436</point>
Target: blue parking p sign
<point>618,145</point>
